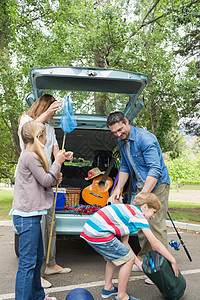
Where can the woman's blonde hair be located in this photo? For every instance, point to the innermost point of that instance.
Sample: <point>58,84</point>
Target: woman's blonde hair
<point>30,133</point>
<point>149,198</point>
<point>40,106</point>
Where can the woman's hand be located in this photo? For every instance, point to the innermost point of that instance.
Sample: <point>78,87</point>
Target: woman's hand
<point>54,107</point>
<point>49,113</point>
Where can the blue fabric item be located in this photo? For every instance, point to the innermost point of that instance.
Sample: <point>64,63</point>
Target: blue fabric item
<point>28,281</point>
<point>130,298</point>
<point>68,121</point>
<point>152,264</point>
<point>146,157</point>
<point>108,293</point>
<point>79,294</point>
<point>113,250</point>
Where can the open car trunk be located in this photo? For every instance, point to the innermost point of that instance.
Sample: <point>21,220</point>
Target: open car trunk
<point>92,149</point>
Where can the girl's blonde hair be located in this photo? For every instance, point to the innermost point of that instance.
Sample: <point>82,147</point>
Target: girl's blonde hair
<point>40,106</point>
<point>30,133</point>
<point>149,198</point>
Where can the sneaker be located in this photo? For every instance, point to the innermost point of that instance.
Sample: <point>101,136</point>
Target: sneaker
<point>50,298</point>
<point>135,268</point>
<point>148,281</point>
<point>109,293</point>
<point>130,298</point>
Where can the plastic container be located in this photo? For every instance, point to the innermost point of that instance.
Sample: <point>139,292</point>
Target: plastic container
<point>60,201</point>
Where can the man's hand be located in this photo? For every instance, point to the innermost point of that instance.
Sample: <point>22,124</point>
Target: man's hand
<point>116,196</point>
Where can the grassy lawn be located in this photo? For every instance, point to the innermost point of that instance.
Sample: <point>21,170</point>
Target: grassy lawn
<point>6,199</point>
<point>185,212</point>
<point>179,211</point>
<point>190,187</point>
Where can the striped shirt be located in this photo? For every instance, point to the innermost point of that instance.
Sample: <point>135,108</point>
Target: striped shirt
<point>113,220</point>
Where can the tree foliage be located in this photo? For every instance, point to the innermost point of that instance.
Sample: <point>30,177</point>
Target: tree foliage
<point>184,169</point>
<point>159,38</point>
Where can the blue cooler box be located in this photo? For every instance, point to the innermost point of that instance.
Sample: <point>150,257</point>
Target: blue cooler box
<point>60,201</point>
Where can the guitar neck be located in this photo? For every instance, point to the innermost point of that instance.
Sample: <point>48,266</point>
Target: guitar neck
<point>107,172</point>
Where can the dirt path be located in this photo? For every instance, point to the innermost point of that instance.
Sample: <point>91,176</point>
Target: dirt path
<point>192,196</point>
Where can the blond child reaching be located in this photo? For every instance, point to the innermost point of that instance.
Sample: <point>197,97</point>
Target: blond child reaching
<point>32,197</point>
<point>120,220</point>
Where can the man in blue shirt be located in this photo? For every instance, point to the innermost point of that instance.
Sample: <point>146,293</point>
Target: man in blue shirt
<point>141,157</point>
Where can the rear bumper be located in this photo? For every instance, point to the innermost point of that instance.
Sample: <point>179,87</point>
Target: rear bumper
<point>70,224</point>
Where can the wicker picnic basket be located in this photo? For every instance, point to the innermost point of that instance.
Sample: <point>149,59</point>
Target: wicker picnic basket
<point>72,196</point>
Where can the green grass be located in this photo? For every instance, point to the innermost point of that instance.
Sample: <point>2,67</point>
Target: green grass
<point>183,205</point>
<point>185,212</point>
<point>190,187</point>
<point>184,187</point>
<point>6,199</point>
<point>185,217</point>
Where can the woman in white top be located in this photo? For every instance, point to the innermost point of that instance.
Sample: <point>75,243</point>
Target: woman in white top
<point>43,110</point>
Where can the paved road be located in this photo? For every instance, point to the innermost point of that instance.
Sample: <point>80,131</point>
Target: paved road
<point>88,269</point>
<point>192,196</point>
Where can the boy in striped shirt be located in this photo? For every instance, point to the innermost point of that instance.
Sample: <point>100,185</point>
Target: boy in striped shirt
<point>120,220</point>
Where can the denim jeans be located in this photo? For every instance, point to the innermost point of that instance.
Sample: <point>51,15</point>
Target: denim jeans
<point>113,250</point>
<point>28,281</point>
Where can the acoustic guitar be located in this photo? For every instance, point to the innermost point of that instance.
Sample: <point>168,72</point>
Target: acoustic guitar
<point>98,192</point>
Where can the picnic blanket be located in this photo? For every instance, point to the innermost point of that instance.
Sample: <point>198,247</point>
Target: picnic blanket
<point>81,209</point>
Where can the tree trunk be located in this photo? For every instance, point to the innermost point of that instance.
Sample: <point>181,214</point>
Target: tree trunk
<point>100,99</point>
<point>177,189</point>
<point>154,122</point>
<point>100,104</point>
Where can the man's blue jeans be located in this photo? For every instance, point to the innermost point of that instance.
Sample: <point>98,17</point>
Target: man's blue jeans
<point>31,253</point>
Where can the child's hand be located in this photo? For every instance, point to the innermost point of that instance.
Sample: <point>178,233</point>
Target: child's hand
<point>138,263</point>
<point>175,268</point>
<point>60,156</point>
<point>69,155</point>
<point>59,177</point>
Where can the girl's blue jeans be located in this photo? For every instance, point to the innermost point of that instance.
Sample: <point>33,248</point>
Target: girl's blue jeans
<point>31,253</point>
